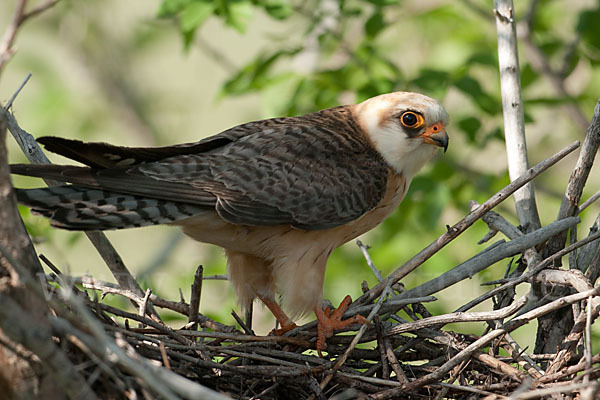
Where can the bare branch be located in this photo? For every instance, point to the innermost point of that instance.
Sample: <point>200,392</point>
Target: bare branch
<point>512,106</point>
<point>570,202</point>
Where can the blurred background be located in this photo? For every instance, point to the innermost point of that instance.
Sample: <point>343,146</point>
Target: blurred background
<point>145,73</point>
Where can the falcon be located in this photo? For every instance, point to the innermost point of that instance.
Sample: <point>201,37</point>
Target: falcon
<point>279,195</point>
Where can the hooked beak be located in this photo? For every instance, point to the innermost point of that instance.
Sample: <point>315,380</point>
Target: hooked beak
<point>436,135</point>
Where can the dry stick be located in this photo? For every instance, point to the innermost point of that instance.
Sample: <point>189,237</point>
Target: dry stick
<point>457,317</point>
<point>579,282</point>
<point>16,93</point>
<point>512,108</point>
<point>588,202</point>
<point>541,393</point>
<point>570,201</point>
<point>522,358</point>
<point>113,260</point>
<point>486,339</point>
<point>166,383</point>
<point>39,341</point>
<point>496,222</point>
<point>6,50</point>
<point>19,17</point>
<point>488,257</point>
<point>588,336</point>
<point>532,272</point>
<point>365,251</point>
<point>196,292</point>
<point>385,370</point>
<point>463,224</point>
<point>89,282</point>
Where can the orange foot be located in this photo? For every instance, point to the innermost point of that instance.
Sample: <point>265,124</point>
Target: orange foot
<point>328,321</point>
<point>286,323</point>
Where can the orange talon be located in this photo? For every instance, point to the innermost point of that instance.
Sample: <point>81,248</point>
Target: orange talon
<point>329,321</point>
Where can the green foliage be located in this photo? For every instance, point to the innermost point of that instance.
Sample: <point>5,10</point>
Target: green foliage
<point>235,13</point>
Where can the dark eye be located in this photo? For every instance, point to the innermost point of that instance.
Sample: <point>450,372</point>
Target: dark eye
<point>411,119</point>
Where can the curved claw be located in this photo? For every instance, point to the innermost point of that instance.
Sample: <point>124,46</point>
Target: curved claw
<point>328,321</point>
<point>283,329</point>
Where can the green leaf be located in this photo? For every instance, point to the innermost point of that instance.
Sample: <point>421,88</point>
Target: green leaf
<point>278,9</point>
<point>383,3</point>
<point>170,8</point>
<point>238,14</point>
<point>256,75</point>
<point>432,80</point>
<point>589,27</point>
<point>375,24</point>
<point>473,89</point>
<point>192,17</point>
<point>470,125</point>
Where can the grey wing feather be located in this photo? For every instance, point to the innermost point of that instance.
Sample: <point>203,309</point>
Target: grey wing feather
<point>312,172</point>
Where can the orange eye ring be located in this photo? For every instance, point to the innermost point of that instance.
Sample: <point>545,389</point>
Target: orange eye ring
<point>411,119</point>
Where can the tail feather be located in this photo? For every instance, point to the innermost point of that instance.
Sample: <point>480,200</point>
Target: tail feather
<point>78,208</point>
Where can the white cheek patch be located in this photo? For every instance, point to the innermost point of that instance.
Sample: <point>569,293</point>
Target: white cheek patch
<point>405,155</point>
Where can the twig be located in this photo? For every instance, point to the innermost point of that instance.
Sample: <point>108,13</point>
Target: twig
<point>38,10</point>
<point>506,327</point>
<point>6,45</point>
<point>484,340</point>
<point>512,107</point>
<point>16,93</point>
<point>196,292</point>
<point>593,198</point>
<point>540,393</point>
<point>166,383</point>
<point>19,17</point>
<point>532,272</point>
<point>489,257</point>
<point>463,224</point>
<point>365,251</point>
<point>241,323</point>
<point>568,206</point>
<point>35,336</point>
<point>440,320</point>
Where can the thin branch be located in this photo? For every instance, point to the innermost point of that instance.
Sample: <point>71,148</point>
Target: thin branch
<point>579,176</point>
<point>488,257</point>
<point>10,34</point>
<point>196,293</point>
<point>365,251</point>
<point>6,45</point>
<point>506,327</point>
<point>535,269</point>
<point>512,107</point>
<point>440,320</point>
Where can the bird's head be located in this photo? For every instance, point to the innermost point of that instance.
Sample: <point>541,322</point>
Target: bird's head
<point>405,128</point>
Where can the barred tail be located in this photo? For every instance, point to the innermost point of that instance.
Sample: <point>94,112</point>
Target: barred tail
<point>79,208</point>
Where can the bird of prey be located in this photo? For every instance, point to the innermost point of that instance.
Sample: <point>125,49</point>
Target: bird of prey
<point>279,195</point>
